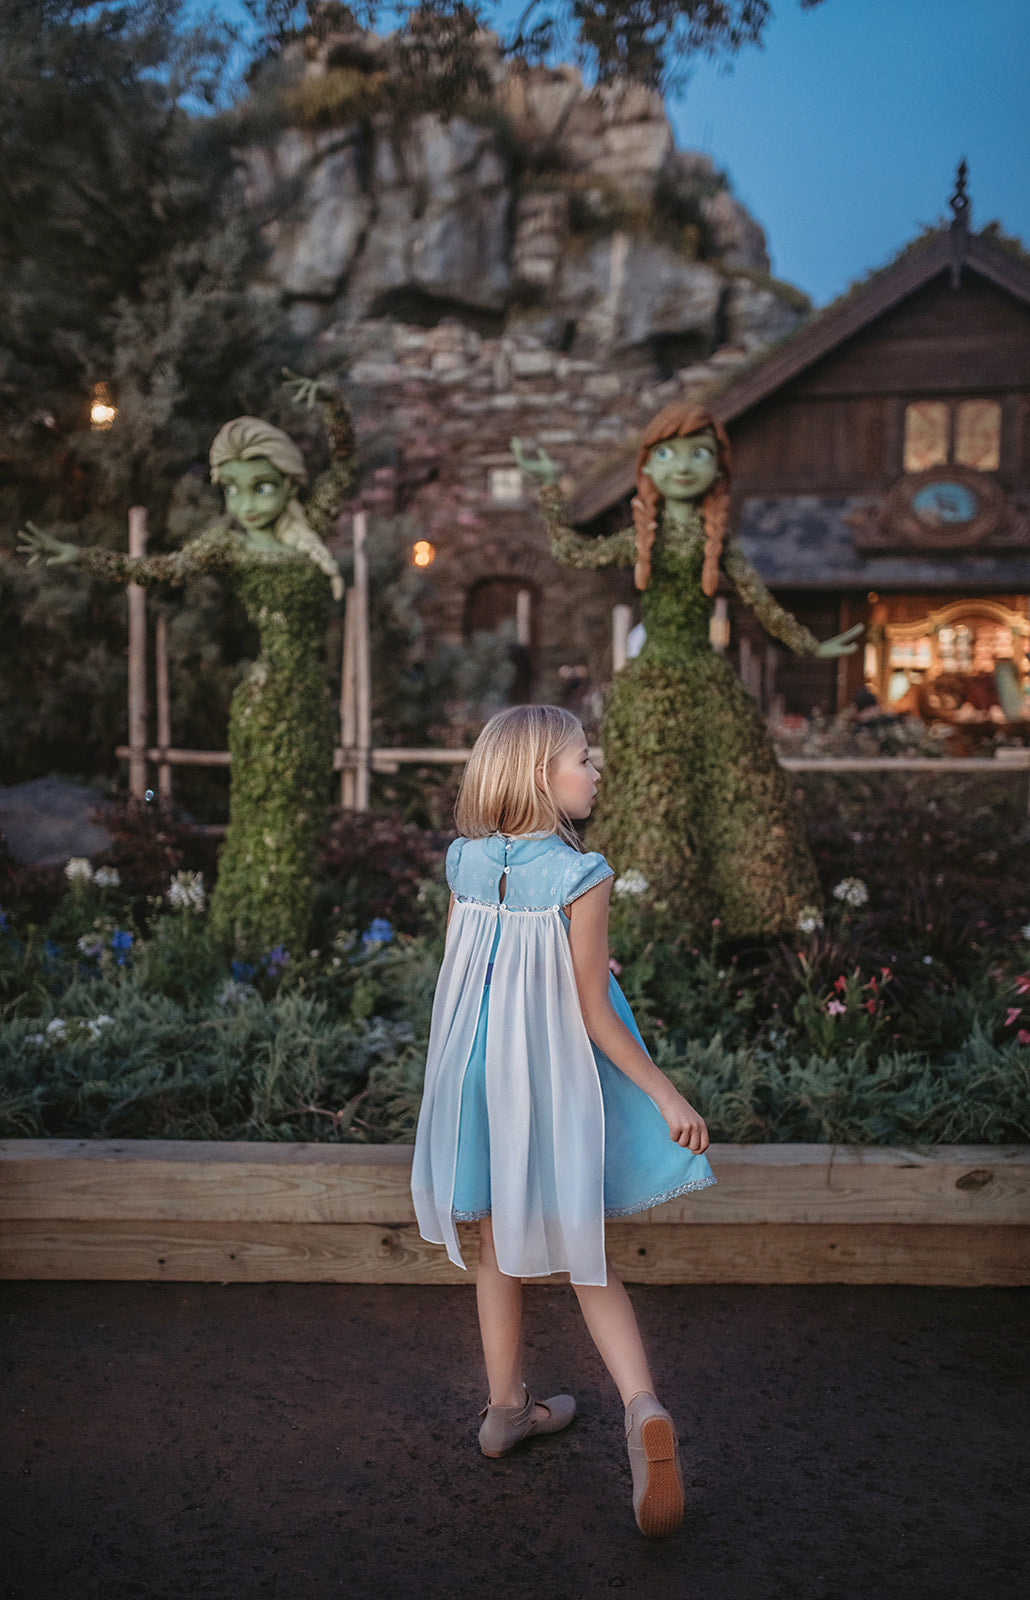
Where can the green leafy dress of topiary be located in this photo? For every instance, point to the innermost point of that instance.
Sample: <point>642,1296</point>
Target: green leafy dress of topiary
<point>693,798</point>
<point>281,741</point>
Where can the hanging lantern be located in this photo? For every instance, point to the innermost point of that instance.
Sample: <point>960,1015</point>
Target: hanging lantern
<point>423,554</point>
<point>102,411</point>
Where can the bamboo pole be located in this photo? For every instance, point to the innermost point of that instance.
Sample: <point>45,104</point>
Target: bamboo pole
<point>362,665</point>
<point>137,602</point>
<point>164,711</point>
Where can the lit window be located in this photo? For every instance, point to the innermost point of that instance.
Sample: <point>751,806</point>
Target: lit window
<point>926,435</point>
<point>423,554</point>
<point>978,434</point>
<point>506,483</point>
<point>965,432</point>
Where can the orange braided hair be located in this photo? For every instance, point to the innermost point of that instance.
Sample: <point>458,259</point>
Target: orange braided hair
<point>677,422</point>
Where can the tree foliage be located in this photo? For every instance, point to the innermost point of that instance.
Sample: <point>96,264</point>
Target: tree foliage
<point>650,41</point>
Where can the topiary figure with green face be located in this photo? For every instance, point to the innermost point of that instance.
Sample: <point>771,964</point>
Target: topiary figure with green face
<point>281,732</point>
<point>693,797</point>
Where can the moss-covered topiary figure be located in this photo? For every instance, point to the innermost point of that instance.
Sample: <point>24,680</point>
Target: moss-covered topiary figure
<point>280,723</point>
<point>693,797</point>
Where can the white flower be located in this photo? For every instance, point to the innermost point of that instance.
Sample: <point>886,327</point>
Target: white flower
<point>1024,933</point>
<point>55,1033</point>
<point>233,993</point>
<point>90,945</point>
<point>95,1024</point>
<point>852,891</point>
<point>631,882</point>
<point>106,877</point>
<point>809,919</point>
<point>186,892</point>
<point>78,870</point>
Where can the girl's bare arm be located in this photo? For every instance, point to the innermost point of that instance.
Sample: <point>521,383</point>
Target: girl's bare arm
<point>588,941</point>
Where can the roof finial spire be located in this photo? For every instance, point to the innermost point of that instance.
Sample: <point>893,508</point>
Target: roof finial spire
<point>960,211</point>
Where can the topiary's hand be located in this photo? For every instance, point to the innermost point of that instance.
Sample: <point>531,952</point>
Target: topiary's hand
<point>842,644</point>
<point>539,466</point>
<point>306,391</point>
<point>40,546</point>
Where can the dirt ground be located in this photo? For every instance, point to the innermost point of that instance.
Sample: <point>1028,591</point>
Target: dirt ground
<point>186,1441</point>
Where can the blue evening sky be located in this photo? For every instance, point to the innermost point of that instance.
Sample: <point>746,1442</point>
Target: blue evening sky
<point>843,133</point>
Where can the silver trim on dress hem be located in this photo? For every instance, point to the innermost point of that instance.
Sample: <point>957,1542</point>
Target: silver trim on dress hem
<point>616,1211</point>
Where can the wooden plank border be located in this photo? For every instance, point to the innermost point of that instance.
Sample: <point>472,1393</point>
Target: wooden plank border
<point>203,1212</point>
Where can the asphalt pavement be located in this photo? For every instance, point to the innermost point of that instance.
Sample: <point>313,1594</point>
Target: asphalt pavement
<point>316,1441</point>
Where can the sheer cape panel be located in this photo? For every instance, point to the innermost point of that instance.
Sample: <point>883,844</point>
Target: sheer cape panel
<point>544,1098</point>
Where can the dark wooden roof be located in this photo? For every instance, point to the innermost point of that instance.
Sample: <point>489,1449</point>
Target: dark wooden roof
<point>948,249</point>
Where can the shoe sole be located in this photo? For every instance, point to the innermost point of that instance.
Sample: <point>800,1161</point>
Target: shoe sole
<point>661,1505</point>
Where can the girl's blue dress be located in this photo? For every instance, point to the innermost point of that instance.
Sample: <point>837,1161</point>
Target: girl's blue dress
<point>523,1118</point>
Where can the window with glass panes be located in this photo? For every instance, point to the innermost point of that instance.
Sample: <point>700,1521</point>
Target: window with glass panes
<point>953,432</point>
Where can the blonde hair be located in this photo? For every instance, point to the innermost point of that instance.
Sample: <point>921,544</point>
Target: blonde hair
<point>253,439</point>
<point>506,786</point>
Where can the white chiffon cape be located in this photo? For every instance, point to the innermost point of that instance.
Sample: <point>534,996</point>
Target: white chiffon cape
<point>544,1100</point>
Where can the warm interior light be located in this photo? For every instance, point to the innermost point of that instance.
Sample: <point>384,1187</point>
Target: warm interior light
<point>102,413</point>
<point>422,553</point>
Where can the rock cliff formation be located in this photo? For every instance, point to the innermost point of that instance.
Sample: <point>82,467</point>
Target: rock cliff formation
<point>546,208</point>
<point>545,263</point>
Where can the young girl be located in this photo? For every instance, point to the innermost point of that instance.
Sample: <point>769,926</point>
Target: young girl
<point>543,1112</point>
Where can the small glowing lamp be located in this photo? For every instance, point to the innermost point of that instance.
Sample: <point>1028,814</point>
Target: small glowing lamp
<point>102,413</point>
<point>423,553</point>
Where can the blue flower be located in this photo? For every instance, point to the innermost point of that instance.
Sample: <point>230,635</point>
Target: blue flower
<point>51,950</point>
<point>242,971</point>
<point>276,959</point>
<point>3,918</point>
<point>379,931</point>
<point>122,943</point>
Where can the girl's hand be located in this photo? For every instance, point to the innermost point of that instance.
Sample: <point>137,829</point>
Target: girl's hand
<point>686,1126</point>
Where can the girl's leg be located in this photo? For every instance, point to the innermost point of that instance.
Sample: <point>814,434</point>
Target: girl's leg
<point>612,1325</point>
<point>499,1301</point>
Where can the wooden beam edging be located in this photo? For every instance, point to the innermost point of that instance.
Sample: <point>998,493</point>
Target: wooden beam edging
<point>786,1213</point>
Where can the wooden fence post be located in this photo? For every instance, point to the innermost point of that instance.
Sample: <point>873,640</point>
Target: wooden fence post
<point>362,665</point>
<point>164,711</point>
<point>348,728</point>
<point>137,601</point>
<point>621,617</point>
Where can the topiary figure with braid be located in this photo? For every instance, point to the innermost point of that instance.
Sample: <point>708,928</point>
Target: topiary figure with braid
<point>281,734</point>
<point>694,798</point>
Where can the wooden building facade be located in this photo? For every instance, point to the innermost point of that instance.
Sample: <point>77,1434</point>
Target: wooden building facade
<point>882,475</point>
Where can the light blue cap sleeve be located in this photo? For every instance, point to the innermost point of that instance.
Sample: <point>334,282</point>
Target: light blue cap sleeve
<point>451,864</point>
<point>584,873</point>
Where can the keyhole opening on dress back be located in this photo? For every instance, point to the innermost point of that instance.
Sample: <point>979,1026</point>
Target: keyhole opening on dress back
<point>502,885</point>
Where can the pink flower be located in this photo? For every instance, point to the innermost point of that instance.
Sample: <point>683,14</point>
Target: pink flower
<point>1023,983</point>
<point>716,922</point>
<point>1011,1014</point>
<point>615,966</point>
<point>870,1006</point>
<point>836,1009</point>
<point>841,984</point>
<point>1023,1036</point>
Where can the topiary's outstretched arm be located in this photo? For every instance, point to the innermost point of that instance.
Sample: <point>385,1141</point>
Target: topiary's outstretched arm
<point>572,549</point>
<point>775,619</point>
<point>216,550</point>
